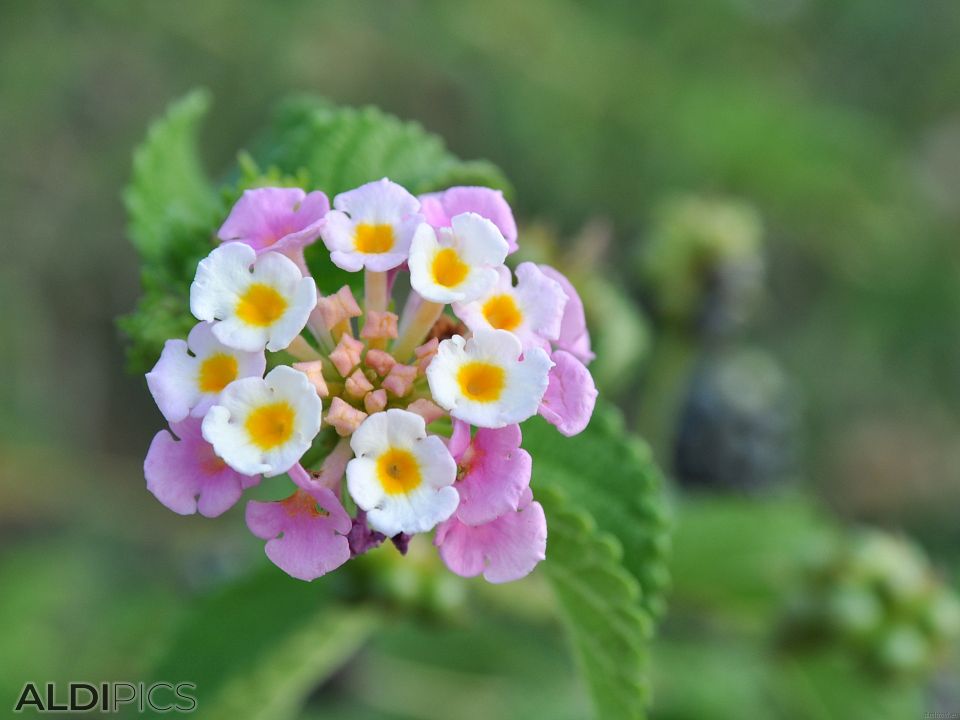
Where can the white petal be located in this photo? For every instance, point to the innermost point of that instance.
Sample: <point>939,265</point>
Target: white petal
<point>338,231</point>
<point>480,241</point>
<point>301,303</point>
<point>172,383</point>
<point>221,277</point>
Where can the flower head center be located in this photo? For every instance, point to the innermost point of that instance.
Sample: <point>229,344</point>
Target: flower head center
<point>398,471</point>
<point>374,239</point>
<point>502,313</point>
<point>216,372</point>
<point>448,269</point>
<point>261,305</point>
<point>270,426</point>
<point>482,382</point>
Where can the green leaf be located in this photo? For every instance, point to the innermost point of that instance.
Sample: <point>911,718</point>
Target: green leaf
<point>600,603</point>
<point>341,148</point>
<point>169,190</point>
<point>257,648</point>
<point>173,212</point>
<point>606,551</point>
<point>611,475</point>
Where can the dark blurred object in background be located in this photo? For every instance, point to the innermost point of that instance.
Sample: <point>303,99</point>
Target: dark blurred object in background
<point>738,426</point>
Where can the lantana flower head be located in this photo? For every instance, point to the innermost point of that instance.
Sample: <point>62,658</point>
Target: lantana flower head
<point>381,385</point>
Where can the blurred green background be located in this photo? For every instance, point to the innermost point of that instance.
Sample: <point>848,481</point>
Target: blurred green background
<point>829,129</point>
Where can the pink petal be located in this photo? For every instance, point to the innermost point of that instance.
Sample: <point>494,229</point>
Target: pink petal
<point>280,219</point>
<point>497,474</point>
<point>505,549</point>
<point>186,475</point>
<point>459,439</point>
<point>571,395</point>
<point>302,540</point>
<point>574,336</point>
<point>438,208</point>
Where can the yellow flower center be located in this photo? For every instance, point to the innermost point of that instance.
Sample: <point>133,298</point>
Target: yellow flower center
<point>261,305</point>
<point>398,471</point>
<point>374,238</point>
<point>216,372</point>
<point>502,313</point>
<point>270,426</point>
<point>482,382</point>
<point>448,269</point>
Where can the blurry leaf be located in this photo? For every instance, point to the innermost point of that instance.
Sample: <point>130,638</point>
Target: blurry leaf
<point>611,475</point>
<point>827,686</point>
<point>737,556</point>
<point>173,212</point>
<point>257,648</point>
<point>341,148</point>
<point>703,676</point>
<point>600,603</point>
<point>169,189</point>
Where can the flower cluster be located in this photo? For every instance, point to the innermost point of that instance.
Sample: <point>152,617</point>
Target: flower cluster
<point>424,406</point>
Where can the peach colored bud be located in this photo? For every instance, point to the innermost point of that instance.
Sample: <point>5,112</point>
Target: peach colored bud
<point>375,401</point>
<point>379,360</point>
<point>425,354</point>
<point>357,384</point>
<point>346,355</point>
<point>314,372</point>
<point>338,307</point>
<point>344,418</point>
<point>426,409</point>
<point>400,379</point>
<point>379,325</point>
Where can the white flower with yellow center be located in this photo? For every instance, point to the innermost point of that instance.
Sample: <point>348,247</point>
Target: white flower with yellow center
<point>371,226</point>
<point>484,382</point>
<point>190,375</point>
<point>402,477</point>
<point>458,263</point>
<point>532,310</point>
<point>264,426</point>
<point>254,302</point>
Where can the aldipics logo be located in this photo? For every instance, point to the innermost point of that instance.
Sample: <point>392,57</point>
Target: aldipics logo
<point>112,697</point>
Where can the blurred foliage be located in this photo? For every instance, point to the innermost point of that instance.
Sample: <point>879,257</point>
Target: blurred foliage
<point>737,566</point>
<point>702,264</point>
<point>877,595</point>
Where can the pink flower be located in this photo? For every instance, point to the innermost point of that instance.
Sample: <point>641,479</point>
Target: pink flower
<point>503,550</point>
<point>496,473</point>
<point>306,534</point>
<point>571,394</point>
<point>438,209</point>
<point>280,219</point>
<point>574,337</point>
<point>186,475</point>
